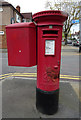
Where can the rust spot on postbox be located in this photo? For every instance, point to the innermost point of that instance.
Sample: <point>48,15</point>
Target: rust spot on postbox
<point>52,73</point>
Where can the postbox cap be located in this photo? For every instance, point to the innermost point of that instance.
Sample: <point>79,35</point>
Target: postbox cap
<point>21,25</point>
<point>50,17</point>
<point>51,13</point>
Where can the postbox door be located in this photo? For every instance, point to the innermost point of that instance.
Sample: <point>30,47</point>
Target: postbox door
<point>49,55</point>
<point>19,46</point>
<point>21,43</point>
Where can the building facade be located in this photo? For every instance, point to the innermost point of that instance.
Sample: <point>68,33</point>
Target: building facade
<point>8,15</point>
<point>27,17</point>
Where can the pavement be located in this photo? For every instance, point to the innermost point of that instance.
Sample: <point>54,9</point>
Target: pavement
<point>19,94</point>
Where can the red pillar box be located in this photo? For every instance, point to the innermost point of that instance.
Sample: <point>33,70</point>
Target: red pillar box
<point>21,44</point>
<point>49,36</point>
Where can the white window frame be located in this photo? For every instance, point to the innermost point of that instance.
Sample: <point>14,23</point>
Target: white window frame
<point>18,19</point>
<point>1,32</point>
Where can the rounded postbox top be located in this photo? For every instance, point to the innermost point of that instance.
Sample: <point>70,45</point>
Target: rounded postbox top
<point>50,17</point>
<point>21,25</point>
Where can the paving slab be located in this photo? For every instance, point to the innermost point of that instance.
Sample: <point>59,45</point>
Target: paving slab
<point>19,99</point>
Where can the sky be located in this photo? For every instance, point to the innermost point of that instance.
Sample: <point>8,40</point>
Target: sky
<point>29,5</point>
<point>33,5</point>
<point>75,28</point>
<point>37,6</point>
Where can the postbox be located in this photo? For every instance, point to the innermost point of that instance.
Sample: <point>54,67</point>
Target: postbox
<point>21,44</point>
<point>40,43</point>
<point>49,36</point>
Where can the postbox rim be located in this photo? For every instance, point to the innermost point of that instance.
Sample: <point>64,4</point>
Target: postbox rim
<point>21,25</point>
<point>50,12</point>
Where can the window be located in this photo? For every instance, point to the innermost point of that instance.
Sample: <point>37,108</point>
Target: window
<point>12,20</point>
<point>18,19</point>
<point>1,32</point>
<point>24,20</point>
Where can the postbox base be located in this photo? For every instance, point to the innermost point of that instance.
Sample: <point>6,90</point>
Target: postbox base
<point>79,48</point>
<point>47,102</point>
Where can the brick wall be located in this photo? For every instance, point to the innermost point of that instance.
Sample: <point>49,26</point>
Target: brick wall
<point>3,42</point>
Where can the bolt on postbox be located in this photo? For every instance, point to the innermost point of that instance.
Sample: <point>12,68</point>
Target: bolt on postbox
<point>40,43</point>
<point>49,36</point>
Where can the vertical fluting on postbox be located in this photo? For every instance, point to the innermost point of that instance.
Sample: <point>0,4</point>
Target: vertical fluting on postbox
<point>49,36</point>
